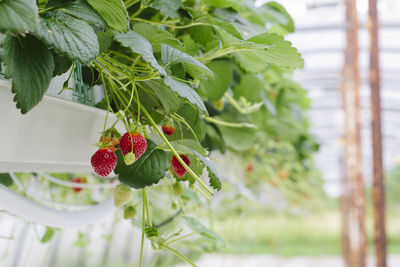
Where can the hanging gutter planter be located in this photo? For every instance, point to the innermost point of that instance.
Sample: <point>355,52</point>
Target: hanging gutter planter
<point>56,135</point>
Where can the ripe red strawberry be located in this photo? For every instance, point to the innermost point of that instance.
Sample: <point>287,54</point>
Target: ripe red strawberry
<point>103,161</point>
<point>133,142</point>
<point>177,166</point>
<point>78,180</point>
<point>111,141</point>
<point>168,129</point>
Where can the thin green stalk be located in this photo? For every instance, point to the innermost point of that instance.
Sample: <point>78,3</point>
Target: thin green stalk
<point>188,169</point>
<point>179,238</point>
<point>177,253</point>
<point>142,242</point>
<point>108,105</point>
<point>230,124</point>
<point>146,203</point>
<point>181,204</point>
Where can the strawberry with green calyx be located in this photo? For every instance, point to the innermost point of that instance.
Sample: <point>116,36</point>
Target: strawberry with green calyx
<point>122,195</point>
<point>178,188</point>
<point>78,180</point>
<point>103,161</point>
<point>110,142</point>
<point>177,167</point>
<point>168,127</point>
<point>129,212</point>
<point>134,142</point>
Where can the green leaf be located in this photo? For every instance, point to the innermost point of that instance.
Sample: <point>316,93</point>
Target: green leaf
<point>61,63</point>
<point>156,36</point>
<point>185,91</point>
<point>170,55</point>
<point>5,179</point>
<point>18,15</point>
<point>199,228</point>
<point>170,100</point>
<point>187,146</point>
<point>30,65</point>
<point>249,87</point>
<point>215,180</point>
<point>193,118</point>
<point>113,12</point>
<point>70,36</point>
<point>215,88</point>
<point>169,8</point>
<point>81,10</point>
<point>256,53</point>
<point>48,235</point>
<point>138,44</point>
<point>105,40</point>
<point>274,12</point>
<point>269,106</point>
<point>145,171</point>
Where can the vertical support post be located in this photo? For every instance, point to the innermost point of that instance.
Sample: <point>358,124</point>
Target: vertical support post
<point>354,233</point>
<point>378,189</point>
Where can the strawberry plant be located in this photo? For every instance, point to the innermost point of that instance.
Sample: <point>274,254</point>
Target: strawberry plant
<point>184,78</point>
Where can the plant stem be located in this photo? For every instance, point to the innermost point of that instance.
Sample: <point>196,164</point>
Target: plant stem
<point>177,253</point>
<point>179,238</point>
<point>146,203</point>
<point>189,170</point>
<point>230,124</point>
<point>141,245</point>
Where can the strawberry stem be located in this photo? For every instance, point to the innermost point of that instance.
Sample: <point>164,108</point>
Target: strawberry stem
<point>189,170</point>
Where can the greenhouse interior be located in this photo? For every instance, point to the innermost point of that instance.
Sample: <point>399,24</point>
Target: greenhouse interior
<point>209,133</point>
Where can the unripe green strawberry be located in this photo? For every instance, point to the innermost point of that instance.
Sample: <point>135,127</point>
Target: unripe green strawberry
<point>129,158</point>
<point>122,195</point>
<point>178,188</point>
<point>174,206</point>
<point>129,212</point>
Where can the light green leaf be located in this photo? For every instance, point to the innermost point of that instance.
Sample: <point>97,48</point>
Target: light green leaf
<point>113,12</point>
<point>145,171</point>
<point>157,36</point>
<point>70,36</point>
<point>199,228</point>
<point>269,106</point>
<point>215,180</point>
<point>18,15</point>
<point>81,10</point>
<point>138,44</point>
<point>48,235</point>
<point>30,65</point>
<point>215,88</point>
<point>249,87</point>
<point>169,8</point>
<point>254,54</point>
<point>170,55</point>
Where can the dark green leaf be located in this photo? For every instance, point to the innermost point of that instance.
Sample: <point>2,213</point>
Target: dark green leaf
<point>105,40</point>
<point>215,88</point>
<point>48,235</point>
<point>30,65</point>
<point>80,9</point>
<point>215,180</point>
<point>18,15</point>
<point>185,91</point>
<point>169,8</point>
<point>171,56</point>
<point>199,228</point>
<point>249,87</point>
<point>169,99</point>
<point>61,63</point>
<point>138,44</point>
<point>70,36</point>
<point>145,171</point>
<point>5,179</point>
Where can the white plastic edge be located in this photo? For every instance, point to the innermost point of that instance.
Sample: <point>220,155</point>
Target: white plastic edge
<point>40,214</point>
